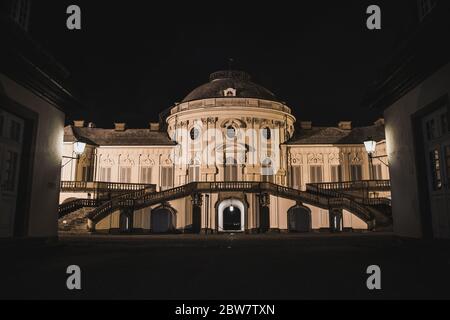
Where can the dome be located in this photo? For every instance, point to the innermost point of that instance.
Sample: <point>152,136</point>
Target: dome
<point>230,83</point>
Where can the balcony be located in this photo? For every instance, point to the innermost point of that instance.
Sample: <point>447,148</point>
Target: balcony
<point>227,102</point>
<point>104,187</point>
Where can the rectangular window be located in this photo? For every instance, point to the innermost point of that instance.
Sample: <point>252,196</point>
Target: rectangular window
<point>125,175</point>
<point>268,178</point>
<point>377,172</point>
<point>336,173</point>
<point>86,174</point>
<point>436,170</point>
<point>231,172</point>
<point>355,172</point>
<point>315,174</point>
<point>166,178</point>
<point>146,175</point>
<point>11,171</point>
<point>296,177</point>
<point>105,174</point>
<point>194,173</point>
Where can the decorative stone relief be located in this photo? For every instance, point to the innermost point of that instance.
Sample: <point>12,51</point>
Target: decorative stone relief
<point>85,159</point>
<point>295,158</point>
<point>107,161</point>
<point>212,120</point>
<point>230,92</point>
<point>335,158</point>
<point>147,161</point>
<point>315,158</point>
<point>127,160</point>
<point>355,157</point>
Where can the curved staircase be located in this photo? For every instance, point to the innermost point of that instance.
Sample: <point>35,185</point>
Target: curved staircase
<point>351,196</point>
<point>314,195</point>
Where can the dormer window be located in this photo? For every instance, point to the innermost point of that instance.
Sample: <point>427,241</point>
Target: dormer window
<point>230,92</point>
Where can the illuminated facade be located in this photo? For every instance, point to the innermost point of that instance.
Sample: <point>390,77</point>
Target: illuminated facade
<point>226,139</point>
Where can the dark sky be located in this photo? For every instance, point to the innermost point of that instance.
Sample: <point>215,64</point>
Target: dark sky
<point>132,59</point>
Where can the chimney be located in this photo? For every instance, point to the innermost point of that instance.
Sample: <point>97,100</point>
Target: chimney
<point>78,123</point>
<point>120,126</point>
<point>154,126</point>
<point>306,125</point>
<point>379,122</point>
<point>345,125</point>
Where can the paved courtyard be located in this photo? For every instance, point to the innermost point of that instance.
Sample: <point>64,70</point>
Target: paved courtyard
<point>271,266</point>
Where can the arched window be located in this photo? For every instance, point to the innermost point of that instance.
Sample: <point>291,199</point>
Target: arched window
<point>231,169</point>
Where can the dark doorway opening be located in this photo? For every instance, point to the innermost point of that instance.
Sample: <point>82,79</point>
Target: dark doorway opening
<point>232,219</point>
<point>336,221</point>
<point>196,219</point>
<point>299,219</point>
<point>126,222</point>
<point>264,219</point>
<point>161,220</point>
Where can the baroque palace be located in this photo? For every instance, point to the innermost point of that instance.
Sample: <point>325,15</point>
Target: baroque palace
<point>229,158</point>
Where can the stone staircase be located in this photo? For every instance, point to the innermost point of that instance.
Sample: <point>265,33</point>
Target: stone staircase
<point>74,222</point>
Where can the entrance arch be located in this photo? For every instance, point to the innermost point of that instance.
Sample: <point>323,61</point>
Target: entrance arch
<point>299,219</point>
<point>162,220</point>
<point>231,216</point>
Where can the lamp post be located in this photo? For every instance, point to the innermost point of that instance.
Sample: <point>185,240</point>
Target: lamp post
<point>78,149</point>
<point>370,146</point>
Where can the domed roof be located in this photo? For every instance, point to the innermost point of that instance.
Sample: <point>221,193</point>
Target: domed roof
<point>237,81</point>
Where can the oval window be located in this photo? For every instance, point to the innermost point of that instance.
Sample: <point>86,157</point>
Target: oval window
<point>194,133</point>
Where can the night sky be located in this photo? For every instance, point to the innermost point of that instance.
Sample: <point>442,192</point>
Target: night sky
<point>133,59</point>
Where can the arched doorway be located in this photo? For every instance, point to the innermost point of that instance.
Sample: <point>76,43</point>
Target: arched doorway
<point>126,221</point>
<point>231,216</point>
<point>162,220</point>
<point>231,219</point>
<point>299,219</point>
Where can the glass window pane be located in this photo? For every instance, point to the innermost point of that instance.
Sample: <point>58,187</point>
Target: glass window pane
<point>355,172</point>
<point>435,170</point>
<point>315,174</point>
<point>296,177</point>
